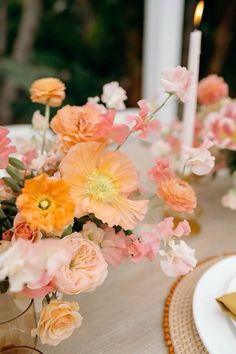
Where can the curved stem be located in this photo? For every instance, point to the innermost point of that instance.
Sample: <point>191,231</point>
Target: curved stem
<point>47,117</point>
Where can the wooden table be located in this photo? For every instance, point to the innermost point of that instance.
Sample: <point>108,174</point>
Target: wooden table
<point>124,315</point>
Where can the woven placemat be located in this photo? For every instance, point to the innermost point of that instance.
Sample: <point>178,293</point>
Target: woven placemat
<point>180,332</point>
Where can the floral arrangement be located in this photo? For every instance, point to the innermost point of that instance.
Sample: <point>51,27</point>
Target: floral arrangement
<point>216,119</point>
<point>70,200</point>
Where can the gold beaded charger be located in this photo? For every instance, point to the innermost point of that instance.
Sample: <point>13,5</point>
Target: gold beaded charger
<point>180,332</point>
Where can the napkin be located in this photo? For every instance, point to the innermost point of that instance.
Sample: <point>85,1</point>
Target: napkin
<point>228,304</point>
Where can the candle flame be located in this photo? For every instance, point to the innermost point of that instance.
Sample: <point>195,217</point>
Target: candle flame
<point>198,13</point>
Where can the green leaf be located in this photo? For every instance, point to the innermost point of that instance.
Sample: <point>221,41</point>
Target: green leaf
<point>4,285</point>
<point>12,184</point>
<point>12,171</point>
<point>17,163</point>
<point>2,214</point>
<point>67,231</point>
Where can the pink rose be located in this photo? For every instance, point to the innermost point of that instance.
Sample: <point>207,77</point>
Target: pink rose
<point>212,89</point>
<point>85,270</point>
<point>178,81</point>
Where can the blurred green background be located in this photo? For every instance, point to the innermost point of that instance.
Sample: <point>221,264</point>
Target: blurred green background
<point>87,43</point>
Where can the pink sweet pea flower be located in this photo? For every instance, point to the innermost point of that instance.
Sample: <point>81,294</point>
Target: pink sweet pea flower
<point>166,230</point>
<point>178,81</point>
<point>41,292</point>
<point>143,122</point>
<point>137,250</point>
<point>114,247</point>
<point>229,199</point>
<point>106,128</point>
<point>161,170</point>
<point>199,160</point>
<point>221,127</point>
<point>151,240</point>
<point>39,122</point>
<point>5,149</point>
<point>180,259</point>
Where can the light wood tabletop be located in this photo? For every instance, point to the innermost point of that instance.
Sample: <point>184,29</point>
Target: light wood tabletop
<point>124,315</point>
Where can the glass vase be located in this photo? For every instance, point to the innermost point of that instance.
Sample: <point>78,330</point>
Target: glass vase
<point>17,319</point>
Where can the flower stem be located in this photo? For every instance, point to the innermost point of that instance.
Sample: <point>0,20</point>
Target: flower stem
<point>150,116</point>
<point>170,94</point>
<point>47,117</point>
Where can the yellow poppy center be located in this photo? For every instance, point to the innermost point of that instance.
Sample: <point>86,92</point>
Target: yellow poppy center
<point>44,203</point>
<point>101,186</point>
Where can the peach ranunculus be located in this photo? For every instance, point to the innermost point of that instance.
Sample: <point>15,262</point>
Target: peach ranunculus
<point>76,124</point>
<point>101,183</point>
<point>46,204</point>
<point>22,229</point>
<point>49,91</point>
<point>57,321</point>
<point>212,89</point>
<point>177,194</point>
<point>86,269</point>
<point>178,81</point>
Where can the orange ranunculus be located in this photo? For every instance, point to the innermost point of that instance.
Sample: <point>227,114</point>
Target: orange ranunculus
<point>24,230</point>
<point>76,124</point>
<point>49,91</point>
<point>177,194</point>
<point>46,204</point>
<point>101,182</point>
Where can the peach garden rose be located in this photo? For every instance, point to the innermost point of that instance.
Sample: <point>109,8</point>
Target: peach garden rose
<point>85,271</point>
<point>24,230</point>
<point>57,321</point>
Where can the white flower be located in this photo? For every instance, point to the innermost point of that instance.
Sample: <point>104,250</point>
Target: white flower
<point>33,264</point>
<point>114,95</point>
<point>160,148</point>
<point>92,232</point>
<point>180,259</point>
<point>229,199</point>
<point>199,160</point>
<point>178,81</point>
<point>39,122</point>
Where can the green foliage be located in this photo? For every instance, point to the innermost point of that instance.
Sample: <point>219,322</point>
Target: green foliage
<point>83,42</point>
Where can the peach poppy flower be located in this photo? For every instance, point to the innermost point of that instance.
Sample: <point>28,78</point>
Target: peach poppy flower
<point>177,194</point>
<point>76,124</point>
<point>48,90</point>
<point>211,89</point>
<point>101,182</point>
<point>46,204</point>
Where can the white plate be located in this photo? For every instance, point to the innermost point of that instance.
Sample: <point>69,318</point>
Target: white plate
<point>217,332</point>
<point>231,289</point>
